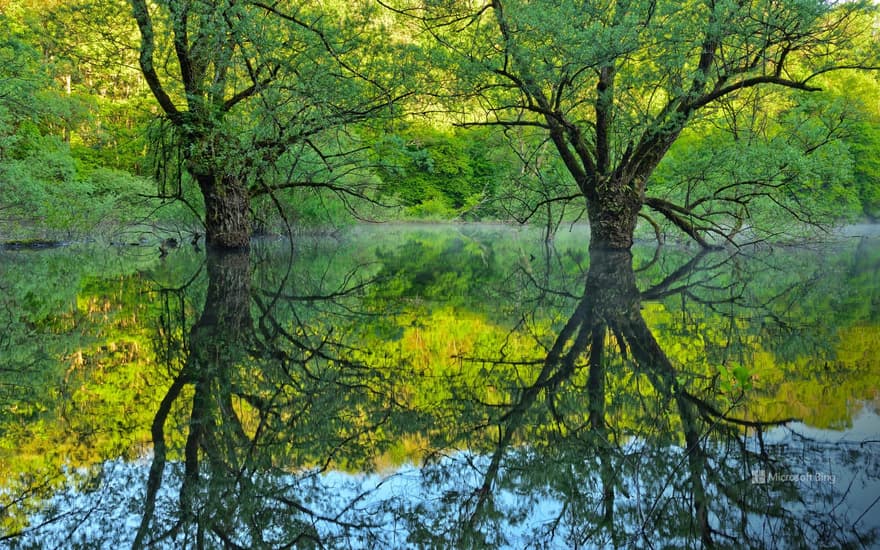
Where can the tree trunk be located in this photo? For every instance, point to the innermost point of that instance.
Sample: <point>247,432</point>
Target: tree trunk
<point>227,212</point>
<point>613,211</point>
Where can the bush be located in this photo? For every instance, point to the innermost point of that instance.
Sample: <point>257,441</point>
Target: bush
<point>43,194</point>
<point>435,172</point>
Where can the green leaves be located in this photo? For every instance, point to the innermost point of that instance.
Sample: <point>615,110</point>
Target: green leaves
<point>768,168</point>
<point>424,166</point>
<point>346,106</point>
<point>735,379</point>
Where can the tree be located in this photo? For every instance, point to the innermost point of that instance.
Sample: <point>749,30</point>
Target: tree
<point>746,174</point>
<point>253,89</point>
<point>614,83</point>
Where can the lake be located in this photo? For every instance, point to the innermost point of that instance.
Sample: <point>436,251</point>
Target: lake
<point>464,386</point>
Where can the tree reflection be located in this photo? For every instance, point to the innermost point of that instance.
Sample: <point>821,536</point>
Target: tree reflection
<point>271,396</point>
<point>284,389</point>
<point>671,463</point>
<point>217,344</point>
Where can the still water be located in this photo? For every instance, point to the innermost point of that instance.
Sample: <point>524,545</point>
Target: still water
<point>441,387</point>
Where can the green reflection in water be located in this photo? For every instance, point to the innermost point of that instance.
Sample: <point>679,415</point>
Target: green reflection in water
<point>478,353</point>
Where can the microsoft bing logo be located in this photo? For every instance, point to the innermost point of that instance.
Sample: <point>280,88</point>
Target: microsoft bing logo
<point>762,477</point>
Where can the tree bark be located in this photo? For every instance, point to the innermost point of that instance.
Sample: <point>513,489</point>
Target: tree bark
<point>613,211</point>
<point>227,212</point>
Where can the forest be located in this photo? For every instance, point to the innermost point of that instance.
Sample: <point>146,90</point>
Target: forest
<point>718,122</point>
<point>389,274</point>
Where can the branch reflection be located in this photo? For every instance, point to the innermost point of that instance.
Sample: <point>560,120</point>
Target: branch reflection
<point>309,406</point>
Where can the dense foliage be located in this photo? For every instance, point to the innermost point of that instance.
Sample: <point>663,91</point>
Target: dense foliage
<point>329,110</point>
<point>206,399</point>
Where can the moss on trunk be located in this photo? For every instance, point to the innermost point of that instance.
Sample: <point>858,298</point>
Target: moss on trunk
<point>227,212</point>
<point>613,212</point>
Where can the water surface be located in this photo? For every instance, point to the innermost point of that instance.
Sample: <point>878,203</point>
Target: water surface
<point>466,386</point>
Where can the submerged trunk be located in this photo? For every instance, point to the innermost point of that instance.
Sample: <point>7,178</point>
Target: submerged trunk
<point>227,212</point>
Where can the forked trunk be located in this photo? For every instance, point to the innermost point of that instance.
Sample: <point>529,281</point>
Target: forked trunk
<point>227,212</point>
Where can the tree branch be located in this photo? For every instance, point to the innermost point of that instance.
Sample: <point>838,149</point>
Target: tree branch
<point>751,82</point>
<point>673,213</point>
<point>148,45</point>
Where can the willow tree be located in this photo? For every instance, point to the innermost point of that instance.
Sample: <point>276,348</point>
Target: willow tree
<point>612,83</point>
<point>248,89</point>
